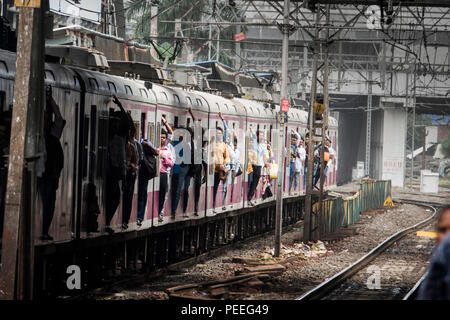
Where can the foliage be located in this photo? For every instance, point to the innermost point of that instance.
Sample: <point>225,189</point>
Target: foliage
<point>186,10</point>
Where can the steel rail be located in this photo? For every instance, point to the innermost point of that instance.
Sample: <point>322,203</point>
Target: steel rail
<point>327,286</point>
<point>413,292</point>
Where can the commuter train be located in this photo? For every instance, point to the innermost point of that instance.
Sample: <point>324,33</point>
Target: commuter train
<point>85,100</point>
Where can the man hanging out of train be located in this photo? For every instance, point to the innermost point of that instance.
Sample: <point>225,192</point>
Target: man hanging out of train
<point>297,156</point>
<point>198,165</point>
<point>166,162</point>
<point>120,125</point>
<point>331,163</point>
<point>305,171</point>
<point>51,163</point>
<point>221,158</point>
<point>236,169</point>
<point>260,149</point>
<point>147,171</point>
<point>229,166</point>
<point>319,149</point>
<point>182,170</point>
<point>131,154</point>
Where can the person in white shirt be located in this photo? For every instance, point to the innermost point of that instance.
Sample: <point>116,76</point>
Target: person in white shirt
<point>331,162</point>
<point>260,149</point>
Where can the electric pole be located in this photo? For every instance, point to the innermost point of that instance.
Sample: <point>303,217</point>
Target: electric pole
<point>285,28</point>
<point>16,273</point>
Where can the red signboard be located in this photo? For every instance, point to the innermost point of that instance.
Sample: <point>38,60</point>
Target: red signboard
<point>284,105</point>
<point>239,36</point>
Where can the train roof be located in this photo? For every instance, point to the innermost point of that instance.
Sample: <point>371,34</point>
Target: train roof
<point>256,109</point>
<point>221,104</point>
<point>55,74</point>
<point>179,97</point>
<point>124,88</point>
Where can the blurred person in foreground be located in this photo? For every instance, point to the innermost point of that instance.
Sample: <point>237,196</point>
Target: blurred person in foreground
<point>436,285</point>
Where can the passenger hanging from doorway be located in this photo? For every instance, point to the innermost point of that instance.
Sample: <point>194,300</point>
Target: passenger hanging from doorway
<point>5,134</point>
<point>267,179</point>
<point>305,171</point>
<point>199,166</point>
<point>51,163</point>
<point>131,154</point>
<point>260,149</point>
<point>182,172</point>
<point>170,145</point>
<point>319,149</point>
<point>120,124</point>
<point>236,169</point>
<point>229,166</point>
<point>297,157</point>
<point>147,171</point>
<point>165,164</point>
<point>331,163</point>
<point>221,158</point>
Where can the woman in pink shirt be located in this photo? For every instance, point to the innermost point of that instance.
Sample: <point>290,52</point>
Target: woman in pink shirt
<point>166,161</point>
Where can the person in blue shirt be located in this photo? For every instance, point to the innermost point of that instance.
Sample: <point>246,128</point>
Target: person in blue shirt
<point>436,285</point>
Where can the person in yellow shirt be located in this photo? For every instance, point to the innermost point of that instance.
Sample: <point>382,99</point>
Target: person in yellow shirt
<point>221,158</point>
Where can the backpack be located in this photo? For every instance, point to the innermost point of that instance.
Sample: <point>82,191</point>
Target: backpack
<point>148,164</point>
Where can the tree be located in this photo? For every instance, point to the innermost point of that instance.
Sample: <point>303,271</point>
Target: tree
<point>445,147</point>
<point>186,10</point>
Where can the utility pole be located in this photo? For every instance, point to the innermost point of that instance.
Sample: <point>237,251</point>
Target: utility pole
<point>284,97</point>
<point>317,126</point>
<point>16,273</point>
<point>424,147</point>
<point>368,125</point>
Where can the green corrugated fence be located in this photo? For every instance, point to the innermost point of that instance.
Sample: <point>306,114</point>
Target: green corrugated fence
<point>341,212</point>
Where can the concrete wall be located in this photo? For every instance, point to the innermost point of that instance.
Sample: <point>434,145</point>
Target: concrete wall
<point>394,137</point>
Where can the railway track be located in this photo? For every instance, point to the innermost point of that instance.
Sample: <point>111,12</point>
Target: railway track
<point>382,273</point>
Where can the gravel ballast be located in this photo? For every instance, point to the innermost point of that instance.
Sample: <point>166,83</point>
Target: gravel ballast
<point>302,273</point>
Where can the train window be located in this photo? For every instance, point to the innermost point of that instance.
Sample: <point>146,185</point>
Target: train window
<point>217,105</point>
<point>102,140</point>
<point>3,67</point>
<point>176,98</point>
<point>199,102</point>
<point>112,87</point>
<point>188,122</point>
<point>143,93</point>
<point>189,100</point>
<point>85,144</point>
<point>226,106</point>
<point>128,90</point>
<point>151,132</point>
<point>49,75</point>
<point>137,126</point>
<point>175,123</point>
<point>234,125</point>
<point>93,83</point>
<point>164,96</point>
<point>93,129</point>
<point>143,117</point>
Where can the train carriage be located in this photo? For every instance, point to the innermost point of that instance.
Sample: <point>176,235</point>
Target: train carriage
<point>85,100</point>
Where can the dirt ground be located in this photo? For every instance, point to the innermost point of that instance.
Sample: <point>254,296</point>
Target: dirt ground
<point>305,265</point>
